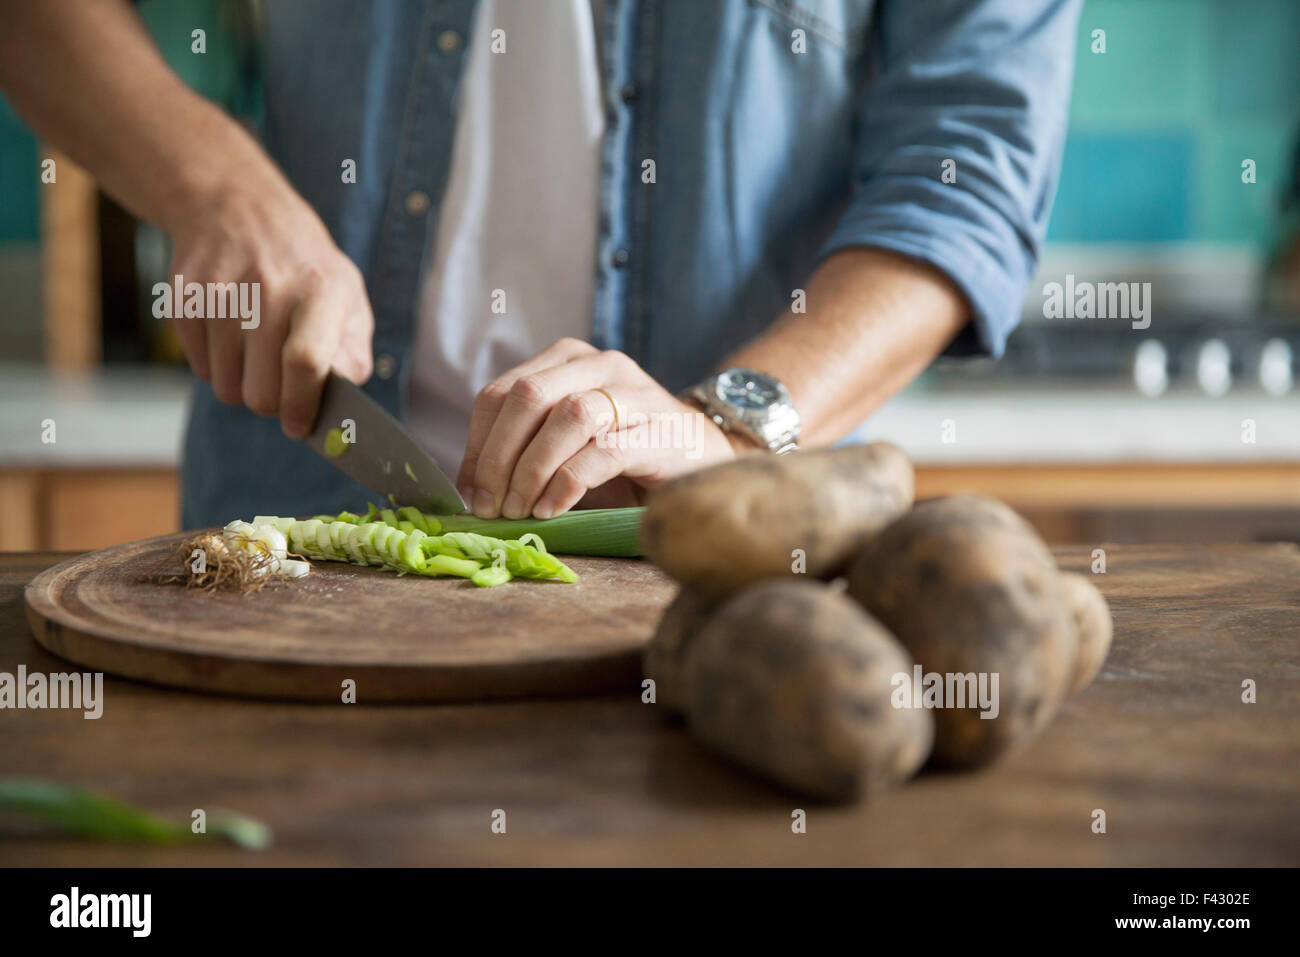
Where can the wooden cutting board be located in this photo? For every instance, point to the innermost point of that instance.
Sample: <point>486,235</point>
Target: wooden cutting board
<point>399,638</point>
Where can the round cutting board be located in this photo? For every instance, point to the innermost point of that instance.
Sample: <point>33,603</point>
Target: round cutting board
<point>402,638</point>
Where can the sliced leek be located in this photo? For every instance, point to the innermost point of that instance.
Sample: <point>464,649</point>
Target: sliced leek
<point>610,532</point>
<point>401,544</point>
<point>488,552</point>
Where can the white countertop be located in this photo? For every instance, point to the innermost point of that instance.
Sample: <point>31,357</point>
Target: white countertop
<point>135,417</point>
<point>115,416</point>
<point>991,424</point>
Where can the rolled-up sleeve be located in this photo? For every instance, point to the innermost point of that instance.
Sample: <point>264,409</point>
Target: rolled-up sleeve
<point>984,84</point>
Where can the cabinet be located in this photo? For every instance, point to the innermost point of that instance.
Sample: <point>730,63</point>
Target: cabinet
<point>67,509</point>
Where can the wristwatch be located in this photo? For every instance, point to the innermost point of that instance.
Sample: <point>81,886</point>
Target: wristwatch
<point>751,404</point>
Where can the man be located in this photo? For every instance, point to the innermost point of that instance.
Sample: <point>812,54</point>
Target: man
<point>565,213</point>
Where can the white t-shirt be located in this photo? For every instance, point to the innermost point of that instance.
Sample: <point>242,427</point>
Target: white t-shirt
<point>513,267</point>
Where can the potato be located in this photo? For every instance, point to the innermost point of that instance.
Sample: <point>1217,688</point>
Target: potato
<point>969,588</point>
<point>664,659</point>
<point>1092,627</point>
<point>792,680</point>
<point>722,528</point>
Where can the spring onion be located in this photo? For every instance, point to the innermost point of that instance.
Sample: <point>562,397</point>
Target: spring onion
<point>92,815</point>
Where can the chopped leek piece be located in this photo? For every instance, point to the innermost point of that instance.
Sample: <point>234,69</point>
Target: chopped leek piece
<point>275,521</point>
<point>335,443</point>
<point>351,539</point>
<point>446,565</point>
<point>410,554</point>
<point>413,515</point>
<point>492,575</point>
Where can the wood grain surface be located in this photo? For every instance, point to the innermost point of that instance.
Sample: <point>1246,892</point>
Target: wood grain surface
<point>1186,772</point>
<point>398,638</point>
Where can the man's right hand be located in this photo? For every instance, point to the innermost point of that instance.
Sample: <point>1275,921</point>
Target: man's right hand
<point>314,312</point>
<point>88,78</point>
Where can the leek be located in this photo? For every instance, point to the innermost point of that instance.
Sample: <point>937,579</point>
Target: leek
<point>488,552</point>
<point>608,532</point>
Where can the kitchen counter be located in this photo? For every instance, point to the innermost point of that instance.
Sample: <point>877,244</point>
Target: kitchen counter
<point>116,416</point>
<point>1070,424</point>
<point>1186,773</point>
<point>1067,454</point>
<point>136,416</point>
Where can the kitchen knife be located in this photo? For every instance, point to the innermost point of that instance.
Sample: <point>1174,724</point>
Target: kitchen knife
<point>382,456</point>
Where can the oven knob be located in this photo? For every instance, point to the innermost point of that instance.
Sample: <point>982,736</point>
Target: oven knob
<point>1275,367</point>
<point>1151,368</point>
<point>1214,368</point>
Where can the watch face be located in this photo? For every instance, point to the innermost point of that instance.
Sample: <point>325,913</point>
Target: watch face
<point>747,389</point>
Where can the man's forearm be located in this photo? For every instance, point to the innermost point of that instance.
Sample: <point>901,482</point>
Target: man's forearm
<point>874,321</point>
<point>87,77</point>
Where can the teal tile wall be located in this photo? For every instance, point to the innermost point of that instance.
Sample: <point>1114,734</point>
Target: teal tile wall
<point>225,73</point>
<point>1130,185</point>
<point>1161,122</point>
<point>19,169</point>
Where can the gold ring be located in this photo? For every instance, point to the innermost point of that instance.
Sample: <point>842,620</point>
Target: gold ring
<point>611,402</point>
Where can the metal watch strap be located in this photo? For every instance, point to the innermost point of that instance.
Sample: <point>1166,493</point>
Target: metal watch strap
<point>700,396</point>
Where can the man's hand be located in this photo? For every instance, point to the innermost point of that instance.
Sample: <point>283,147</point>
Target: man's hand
<point>314,311</point>
<point>79,71</point>
<point>572,420</point>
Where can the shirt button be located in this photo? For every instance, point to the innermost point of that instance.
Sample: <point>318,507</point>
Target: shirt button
<point>448,41</point>
<point>385,366</point>
<point>621,258</point>
<point>417,202</point>
<point>628,93</point>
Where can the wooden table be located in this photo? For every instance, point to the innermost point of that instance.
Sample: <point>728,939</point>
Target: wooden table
<point>1186,773</point>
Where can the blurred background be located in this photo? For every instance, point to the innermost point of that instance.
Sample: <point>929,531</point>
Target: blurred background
<point>1182,170</point>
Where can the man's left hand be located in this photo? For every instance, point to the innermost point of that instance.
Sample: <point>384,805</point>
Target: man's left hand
<point>574,424</point>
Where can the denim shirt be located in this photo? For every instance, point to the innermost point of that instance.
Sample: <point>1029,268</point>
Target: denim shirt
<point>780,130</point>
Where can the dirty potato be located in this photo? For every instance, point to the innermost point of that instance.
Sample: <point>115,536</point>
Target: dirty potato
<point>971,591</point>
<point>1092,627</point>
<point>664,658</point>
<point>721,528</point>
<point>793,680</point>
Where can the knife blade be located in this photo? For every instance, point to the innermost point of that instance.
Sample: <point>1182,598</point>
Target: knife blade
<point>356,434</point>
